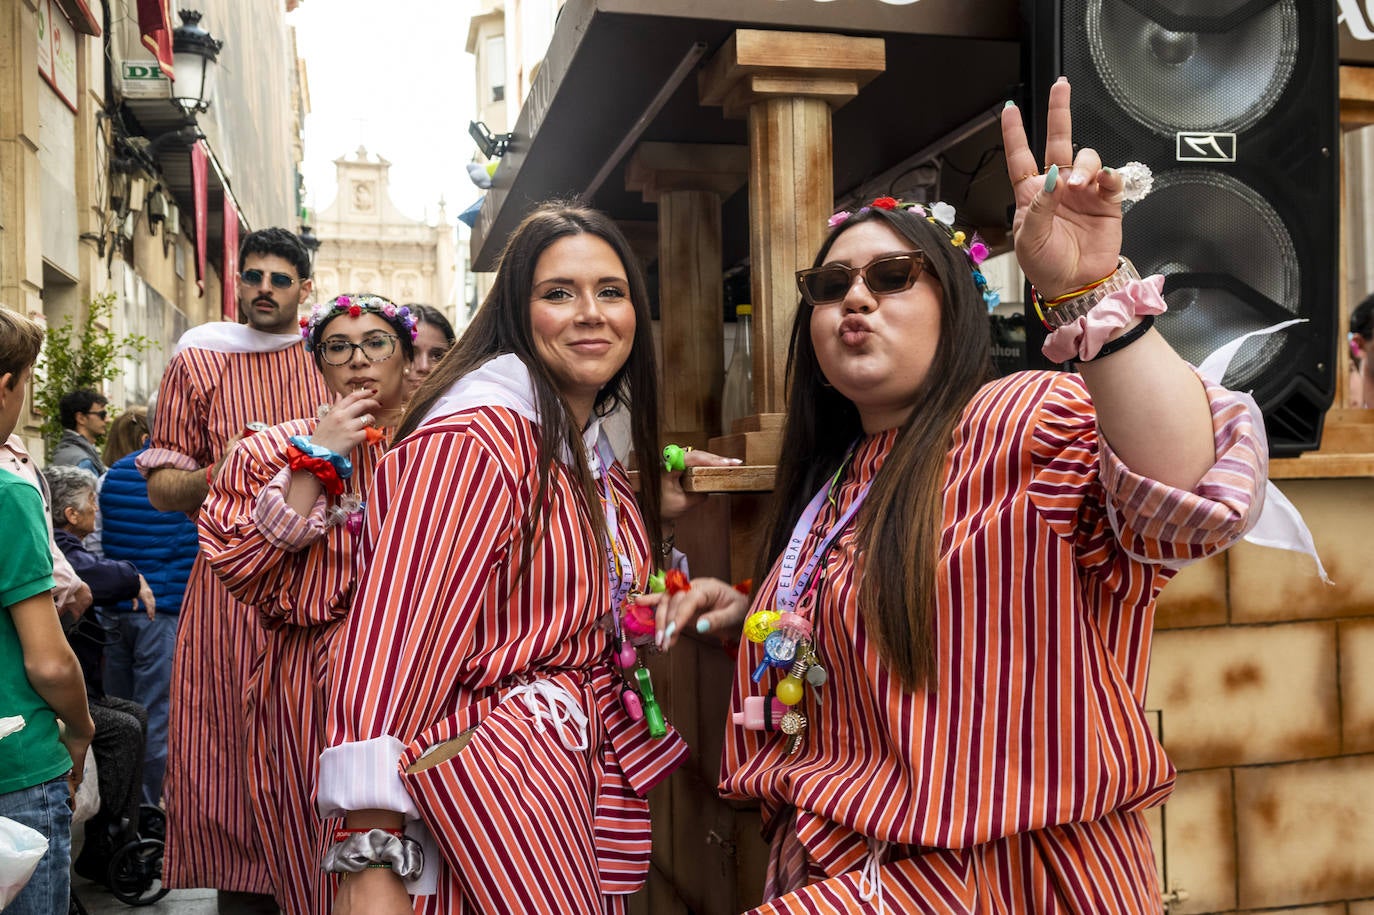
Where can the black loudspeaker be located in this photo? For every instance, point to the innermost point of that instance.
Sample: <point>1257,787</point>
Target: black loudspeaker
<point>1233,104</point>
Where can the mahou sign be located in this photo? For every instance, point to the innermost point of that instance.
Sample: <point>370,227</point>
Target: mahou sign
<point>1356,20</point>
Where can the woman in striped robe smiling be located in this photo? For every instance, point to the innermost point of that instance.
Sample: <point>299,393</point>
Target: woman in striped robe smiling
<point>473,700</point>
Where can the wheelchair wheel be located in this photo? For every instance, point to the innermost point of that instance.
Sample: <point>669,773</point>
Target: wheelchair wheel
<point>152,823</point>
<point>136,872</point>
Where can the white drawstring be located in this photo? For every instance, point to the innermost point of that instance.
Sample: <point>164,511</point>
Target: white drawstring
<point>549,700</point>
<point>871,875</point>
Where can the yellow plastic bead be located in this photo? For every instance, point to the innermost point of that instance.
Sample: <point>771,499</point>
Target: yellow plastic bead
<point>760,624</point>
<point>790,691</point>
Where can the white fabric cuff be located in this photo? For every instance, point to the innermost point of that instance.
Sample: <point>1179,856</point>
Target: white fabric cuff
<point>363,775</point>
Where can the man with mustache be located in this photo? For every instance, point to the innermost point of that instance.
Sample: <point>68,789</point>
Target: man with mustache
<point>224,379</point>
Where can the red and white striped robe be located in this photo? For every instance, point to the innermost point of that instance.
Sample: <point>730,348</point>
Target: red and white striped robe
<point>1017,784</point>
<point>441,625</point>
<point>298,574</point>
<point>205,399</point>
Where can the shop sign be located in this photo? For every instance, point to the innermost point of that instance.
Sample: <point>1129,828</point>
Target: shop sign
<point>143,79</point>
<point>57,51</point>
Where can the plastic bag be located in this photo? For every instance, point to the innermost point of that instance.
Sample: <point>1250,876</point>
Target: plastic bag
<point>87,793</point>
<point>21,848</point>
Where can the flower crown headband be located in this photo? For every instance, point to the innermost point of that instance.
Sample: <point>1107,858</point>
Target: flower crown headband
<point>940,215</point>
<point>353,306</point>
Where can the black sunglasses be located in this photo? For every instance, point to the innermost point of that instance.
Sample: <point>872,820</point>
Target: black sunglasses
<point>883,276</point>
<point>279,280</point>
<point>100,413</point>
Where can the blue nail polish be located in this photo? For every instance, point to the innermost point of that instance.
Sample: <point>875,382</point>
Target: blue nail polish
<point>668,631</point>
<point>1009,104</point>
<point>1051,179</point>
<point>703,625</point>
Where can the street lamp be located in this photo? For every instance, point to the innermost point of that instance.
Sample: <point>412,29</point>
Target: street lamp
<point>194,56</point>
<point>309,239</point>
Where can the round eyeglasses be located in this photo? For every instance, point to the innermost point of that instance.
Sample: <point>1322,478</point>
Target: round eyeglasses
<point>377,348</point>
<point>885,275</point>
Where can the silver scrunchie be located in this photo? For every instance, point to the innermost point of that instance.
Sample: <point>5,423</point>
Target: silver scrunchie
<point>376,846</point>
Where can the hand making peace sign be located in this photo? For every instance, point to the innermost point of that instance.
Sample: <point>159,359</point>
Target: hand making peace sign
<point>1068,217</point>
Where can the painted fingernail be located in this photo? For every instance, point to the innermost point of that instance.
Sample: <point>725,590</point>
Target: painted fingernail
<point>703,625</point>
<point>1106,169</point>
<point>668,632</point>
<point>1062,79</point>
<point>1009,104</point>
<point>734,460</point>
<point>1051,179</point>
<point>1076,178</point>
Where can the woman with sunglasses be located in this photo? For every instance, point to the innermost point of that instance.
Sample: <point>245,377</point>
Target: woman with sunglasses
<point>945,712</point>
<point>280,528</point>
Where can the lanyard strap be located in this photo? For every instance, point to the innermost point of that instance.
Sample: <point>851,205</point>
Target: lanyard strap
<point>789,590</point>
<point>619,569</point>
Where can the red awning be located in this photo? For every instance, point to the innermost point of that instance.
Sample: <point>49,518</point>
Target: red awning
<point>156,32</point>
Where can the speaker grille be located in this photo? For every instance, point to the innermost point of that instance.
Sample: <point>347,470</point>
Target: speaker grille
<point>1230,266</point>
<point>1205,71</point>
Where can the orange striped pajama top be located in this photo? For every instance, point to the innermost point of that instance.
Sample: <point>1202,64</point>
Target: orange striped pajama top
<point>298,574</point>
<point>442,629</point>
<point>205,399</point>
<point>1016,784</point>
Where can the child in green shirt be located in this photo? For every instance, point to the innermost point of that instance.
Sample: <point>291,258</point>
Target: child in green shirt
<point>40,679</point>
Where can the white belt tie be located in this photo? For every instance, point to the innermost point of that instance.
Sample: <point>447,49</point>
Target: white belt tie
<point>871,874</point>
<point>547,700</point>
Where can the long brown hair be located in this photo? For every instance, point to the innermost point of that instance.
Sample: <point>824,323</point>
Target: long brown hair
<point>899,526</point>
<point>127,431</point>
<point>502,325</point>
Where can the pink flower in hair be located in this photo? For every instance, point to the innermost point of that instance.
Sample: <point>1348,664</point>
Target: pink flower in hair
<point>838,218</point>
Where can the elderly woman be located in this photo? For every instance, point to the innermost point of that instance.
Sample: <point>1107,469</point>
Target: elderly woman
<point>280,528</point>
<point>476,698</point>
<point>966,569</point>
<point>121,726</point>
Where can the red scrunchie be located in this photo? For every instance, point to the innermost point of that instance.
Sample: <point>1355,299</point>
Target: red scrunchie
<point>319,468</point>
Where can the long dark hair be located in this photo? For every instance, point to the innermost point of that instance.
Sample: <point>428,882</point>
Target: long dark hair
<point>502,325</point>
<point>899,526</point>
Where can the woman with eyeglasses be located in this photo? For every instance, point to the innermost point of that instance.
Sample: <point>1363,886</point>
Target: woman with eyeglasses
<point>280,528</point>
<point>940,701</point>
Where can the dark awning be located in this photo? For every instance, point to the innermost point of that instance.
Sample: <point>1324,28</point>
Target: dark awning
<point>950,67</point>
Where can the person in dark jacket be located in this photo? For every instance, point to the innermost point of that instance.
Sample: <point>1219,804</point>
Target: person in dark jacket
<point>138,656</point>
<point>83,417</point>
<point>120,725</point>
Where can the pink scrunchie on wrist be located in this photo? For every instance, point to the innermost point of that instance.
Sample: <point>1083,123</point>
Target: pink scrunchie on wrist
<point>1083,339</point>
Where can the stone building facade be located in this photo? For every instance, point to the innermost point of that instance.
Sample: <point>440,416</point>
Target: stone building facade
<point>368,245</point>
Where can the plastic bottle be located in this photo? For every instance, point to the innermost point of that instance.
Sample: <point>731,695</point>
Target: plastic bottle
<point>737,398</point>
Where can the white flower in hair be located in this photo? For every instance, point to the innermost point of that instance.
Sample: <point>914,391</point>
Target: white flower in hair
<point>943,212</point>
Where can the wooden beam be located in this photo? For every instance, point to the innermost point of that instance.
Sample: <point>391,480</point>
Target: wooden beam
<point>786,84</point>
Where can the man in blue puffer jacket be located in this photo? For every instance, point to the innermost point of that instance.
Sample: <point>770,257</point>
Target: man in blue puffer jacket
<point>138,663</point>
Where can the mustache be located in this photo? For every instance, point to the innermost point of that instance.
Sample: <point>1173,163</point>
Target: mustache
<point>265,298</point>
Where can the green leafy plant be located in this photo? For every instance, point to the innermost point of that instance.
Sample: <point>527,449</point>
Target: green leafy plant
<point>81,354</point>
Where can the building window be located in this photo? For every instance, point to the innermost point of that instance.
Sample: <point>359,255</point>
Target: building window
<point>495,55</point>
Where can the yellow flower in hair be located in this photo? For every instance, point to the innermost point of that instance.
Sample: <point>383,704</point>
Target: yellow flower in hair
<point>958,239</point>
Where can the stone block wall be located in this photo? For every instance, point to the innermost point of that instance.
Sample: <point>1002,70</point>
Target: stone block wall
<point>1263,681</point>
